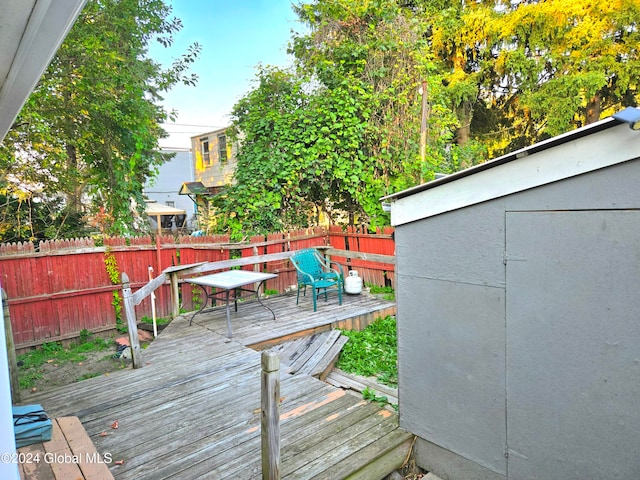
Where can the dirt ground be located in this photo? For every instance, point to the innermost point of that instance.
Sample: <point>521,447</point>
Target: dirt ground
<point>96,363</point>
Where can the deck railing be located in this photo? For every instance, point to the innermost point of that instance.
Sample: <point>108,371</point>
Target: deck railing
<point>60,288</point>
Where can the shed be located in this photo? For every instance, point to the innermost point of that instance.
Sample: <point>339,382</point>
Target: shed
<point>518,304</point>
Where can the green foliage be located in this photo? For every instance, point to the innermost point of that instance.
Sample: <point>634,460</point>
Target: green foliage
<point>387,293</point>
<point>31,363</point>
<point>91,127</point>
<point>111,264</point>
<point>23,218</point>
<point>370,395</point>
<point>159,320</point>
<point>302,155</point>
<point>520,72</point>
<point>196,297</point>
<point>372,352</point>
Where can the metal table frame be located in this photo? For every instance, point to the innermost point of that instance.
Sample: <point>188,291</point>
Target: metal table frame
<point>231,280</point>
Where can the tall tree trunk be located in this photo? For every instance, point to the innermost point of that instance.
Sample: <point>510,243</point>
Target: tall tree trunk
<point>74,200</point>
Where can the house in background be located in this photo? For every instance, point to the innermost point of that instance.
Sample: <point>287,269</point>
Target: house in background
<point>518,311</point>
<point>214,160</point>
<point>30,33</point>
<point>214,163</point>
<point>165,188</point>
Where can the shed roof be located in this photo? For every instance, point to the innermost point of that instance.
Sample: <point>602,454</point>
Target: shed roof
<point>585,149</point>
<point>30,33</point>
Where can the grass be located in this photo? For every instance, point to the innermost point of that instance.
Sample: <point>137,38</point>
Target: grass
<point>372,352</point>
<point>159,320</point>
<point>387,292</point>
<point>31,363</point>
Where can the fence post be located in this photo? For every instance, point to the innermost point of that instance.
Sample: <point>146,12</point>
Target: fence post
<point>130,315</point>
<point>11,350</point>
<point>270,401</point>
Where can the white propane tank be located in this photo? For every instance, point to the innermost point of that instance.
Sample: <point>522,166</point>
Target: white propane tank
<point>353,283</point>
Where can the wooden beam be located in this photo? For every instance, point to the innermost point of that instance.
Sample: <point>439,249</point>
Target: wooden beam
<point>237,262</point>
<point>372,257</point>
<point>148,289</point>
<point>130,316</point>
<point>270,402</point>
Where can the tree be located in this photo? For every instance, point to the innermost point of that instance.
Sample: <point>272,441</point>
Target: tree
<point>568,63</point>
<point>342,130</point>
<point>301,156</point>
<point>498,75</point>
<point>90,129</point>
<point>523,71</point>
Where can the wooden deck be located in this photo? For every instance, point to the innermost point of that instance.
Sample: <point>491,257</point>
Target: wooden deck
<point>193,410</point>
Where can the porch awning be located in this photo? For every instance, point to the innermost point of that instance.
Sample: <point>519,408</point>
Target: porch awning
<point>155,209</point>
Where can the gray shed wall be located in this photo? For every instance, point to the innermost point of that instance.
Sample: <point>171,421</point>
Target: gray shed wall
<point>479,371</point>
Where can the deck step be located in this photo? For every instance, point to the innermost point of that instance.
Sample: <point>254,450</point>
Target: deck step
<point>376,460</point>
<point>70,454</point>
<point>312,355</point>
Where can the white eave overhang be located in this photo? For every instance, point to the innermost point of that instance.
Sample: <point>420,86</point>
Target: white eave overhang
<point>595,146</point>
<point>30,33</point>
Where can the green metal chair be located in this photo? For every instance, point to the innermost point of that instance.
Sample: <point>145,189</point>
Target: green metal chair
<point>314,271</point>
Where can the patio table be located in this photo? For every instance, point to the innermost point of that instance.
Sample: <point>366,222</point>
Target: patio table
<point>231,280</point>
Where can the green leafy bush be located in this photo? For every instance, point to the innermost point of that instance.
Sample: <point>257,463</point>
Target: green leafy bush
<point>372,352</point>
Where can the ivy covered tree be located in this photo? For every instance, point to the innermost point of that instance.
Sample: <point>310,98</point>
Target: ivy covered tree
<point>350,125</point>
<point>301,156</point>
<point>342,130</point>
<point>88,136</point>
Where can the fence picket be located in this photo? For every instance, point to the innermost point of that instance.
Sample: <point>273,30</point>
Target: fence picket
<point>62,287</point>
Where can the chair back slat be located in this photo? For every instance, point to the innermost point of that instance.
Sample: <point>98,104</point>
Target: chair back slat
<point>314,271</point>
<point>306,261</point>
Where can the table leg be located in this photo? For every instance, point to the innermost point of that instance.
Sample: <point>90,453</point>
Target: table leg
<point>229,333</point>
<point>206,298</point>
<point>260,301</point>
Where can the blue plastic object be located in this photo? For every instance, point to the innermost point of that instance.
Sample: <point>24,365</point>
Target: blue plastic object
<point>31,424</point>
<point>314,271</point>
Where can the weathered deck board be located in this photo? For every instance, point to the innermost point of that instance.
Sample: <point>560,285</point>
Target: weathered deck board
<point>254,326</point>
<point>69,454</point>
<point>193,410</point>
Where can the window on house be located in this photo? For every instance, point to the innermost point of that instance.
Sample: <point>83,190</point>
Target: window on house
<point>222,148</point>
<point>206,160</point>
<point>171,204</point>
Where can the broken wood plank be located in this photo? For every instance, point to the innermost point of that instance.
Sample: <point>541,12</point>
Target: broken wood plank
<point>327,363</point>
<point>327,342</point>
<point>317,342</point>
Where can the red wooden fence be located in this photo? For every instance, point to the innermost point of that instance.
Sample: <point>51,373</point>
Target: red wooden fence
<point>359,240</point>
<point>63,287</point>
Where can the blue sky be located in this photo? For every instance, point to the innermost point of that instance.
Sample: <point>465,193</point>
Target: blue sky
<point>235,37</point>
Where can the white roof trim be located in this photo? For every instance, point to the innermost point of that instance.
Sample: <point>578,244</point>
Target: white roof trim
<point>31,49</point>
<point>597,150</point>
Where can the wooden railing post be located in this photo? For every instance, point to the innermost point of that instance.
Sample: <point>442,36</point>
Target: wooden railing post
<point>130,315</point>
<point>175,295</point>
<point>270,416</point>
<point>11,350</point>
